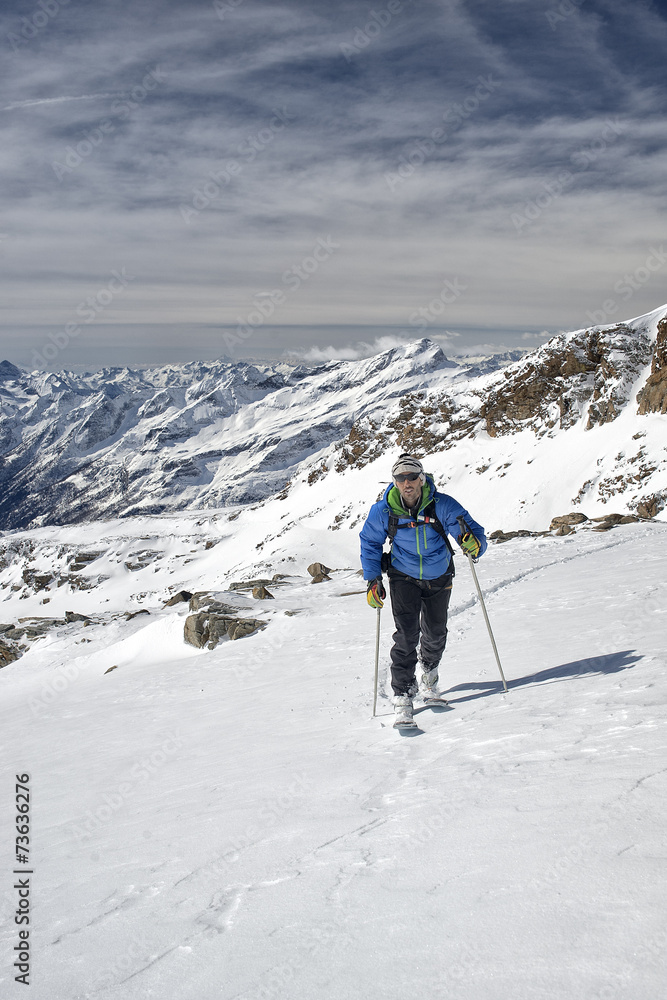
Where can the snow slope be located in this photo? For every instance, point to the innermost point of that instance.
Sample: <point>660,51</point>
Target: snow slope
<point>233,824</point>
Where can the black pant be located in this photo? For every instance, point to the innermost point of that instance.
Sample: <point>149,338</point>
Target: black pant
<point>417,606</point>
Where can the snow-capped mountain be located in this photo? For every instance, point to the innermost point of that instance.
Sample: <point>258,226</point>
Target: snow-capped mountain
<point>587,409</point>
<point>180,436</point>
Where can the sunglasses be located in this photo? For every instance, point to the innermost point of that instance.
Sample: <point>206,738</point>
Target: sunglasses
<point>410,476</point>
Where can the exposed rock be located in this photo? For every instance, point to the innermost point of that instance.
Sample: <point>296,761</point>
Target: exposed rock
<point>653,397</point>
<point>80,560</point>
<point>505,536</point>
<point>33,627</point>
<point>318,569</point>
<point>180,597</point>
<point>199,599</point>
<point>8,654</point>
<point>206,629</point>
<point>129,615</point>
<point>553,385</point>
<point>251,584</point>
<point>262,594</point>
<point>74,616</point>
<point>564,529</point>
<point>575,518</point>
<point>651,506</point>
<point>115,667</point>
<point>36,581</point>
<point>611,518</point>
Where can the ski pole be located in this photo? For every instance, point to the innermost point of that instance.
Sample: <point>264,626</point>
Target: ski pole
<point>464,528</point>
<point>377,658</point>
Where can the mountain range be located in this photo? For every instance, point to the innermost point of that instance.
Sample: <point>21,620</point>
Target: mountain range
<point>585,410</point>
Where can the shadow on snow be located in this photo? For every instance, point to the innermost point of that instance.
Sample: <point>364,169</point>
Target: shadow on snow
<point>609,663</point>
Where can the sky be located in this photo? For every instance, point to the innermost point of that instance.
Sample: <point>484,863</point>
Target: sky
<point>317,179</point>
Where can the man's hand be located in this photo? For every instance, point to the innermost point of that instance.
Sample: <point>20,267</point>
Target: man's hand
<point>469,544</point>
<point>375,593</point>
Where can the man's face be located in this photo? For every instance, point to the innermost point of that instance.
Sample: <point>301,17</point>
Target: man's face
<point>410,490</point>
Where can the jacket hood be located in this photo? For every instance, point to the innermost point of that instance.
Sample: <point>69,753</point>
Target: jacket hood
<point>392,497</point>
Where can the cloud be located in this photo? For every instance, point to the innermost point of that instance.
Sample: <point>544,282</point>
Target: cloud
<point>260,196</point>
<point>316,355</point>
<point>54,100</point>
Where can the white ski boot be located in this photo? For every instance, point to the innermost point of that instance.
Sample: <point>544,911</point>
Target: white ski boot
<point>429,689</point>
<point>430,682</point>
<point>403,707</point>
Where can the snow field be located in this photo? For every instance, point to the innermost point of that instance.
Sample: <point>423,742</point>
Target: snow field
<point>232,823</point>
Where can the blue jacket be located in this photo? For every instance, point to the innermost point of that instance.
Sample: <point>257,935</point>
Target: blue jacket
<point>418,551</point>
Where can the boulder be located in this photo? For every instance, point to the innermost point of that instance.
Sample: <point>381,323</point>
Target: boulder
<point>262,594</point>
<point>206,629</point>
<point>565,519</point>
<point>650,507</point>
<point>179,598</point>
<point>319,569</point>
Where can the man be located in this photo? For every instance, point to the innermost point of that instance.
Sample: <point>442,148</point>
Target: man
<point>420,568</point>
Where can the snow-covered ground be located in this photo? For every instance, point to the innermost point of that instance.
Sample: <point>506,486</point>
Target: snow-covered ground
<point>233,823</point>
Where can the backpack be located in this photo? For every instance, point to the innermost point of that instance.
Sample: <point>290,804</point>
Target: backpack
<point>430,517</point>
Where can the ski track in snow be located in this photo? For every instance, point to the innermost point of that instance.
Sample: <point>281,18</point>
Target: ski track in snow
<point>282,844</point>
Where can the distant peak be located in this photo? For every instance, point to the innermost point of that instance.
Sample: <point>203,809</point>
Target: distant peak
<point>9,371</point>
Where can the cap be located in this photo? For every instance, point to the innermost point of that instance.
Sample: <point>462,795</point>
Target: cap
<point>407,463</point>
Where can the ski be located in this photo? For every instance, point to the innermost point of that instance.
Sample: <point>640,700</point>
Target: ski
<point>435,701</point>
<point>405,724</point>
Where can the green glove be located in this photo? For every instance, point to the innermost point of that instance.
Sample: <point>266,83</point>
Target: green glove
<point>469,544</point>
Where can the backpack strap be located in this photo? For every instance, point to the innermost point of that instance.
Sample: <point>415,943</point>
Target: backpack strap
<point>430,518</point>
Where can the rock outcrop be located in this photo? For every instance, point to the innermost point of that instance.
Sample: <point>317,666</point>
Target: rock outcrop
<point>205,628</point>
<point>653,397</point>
